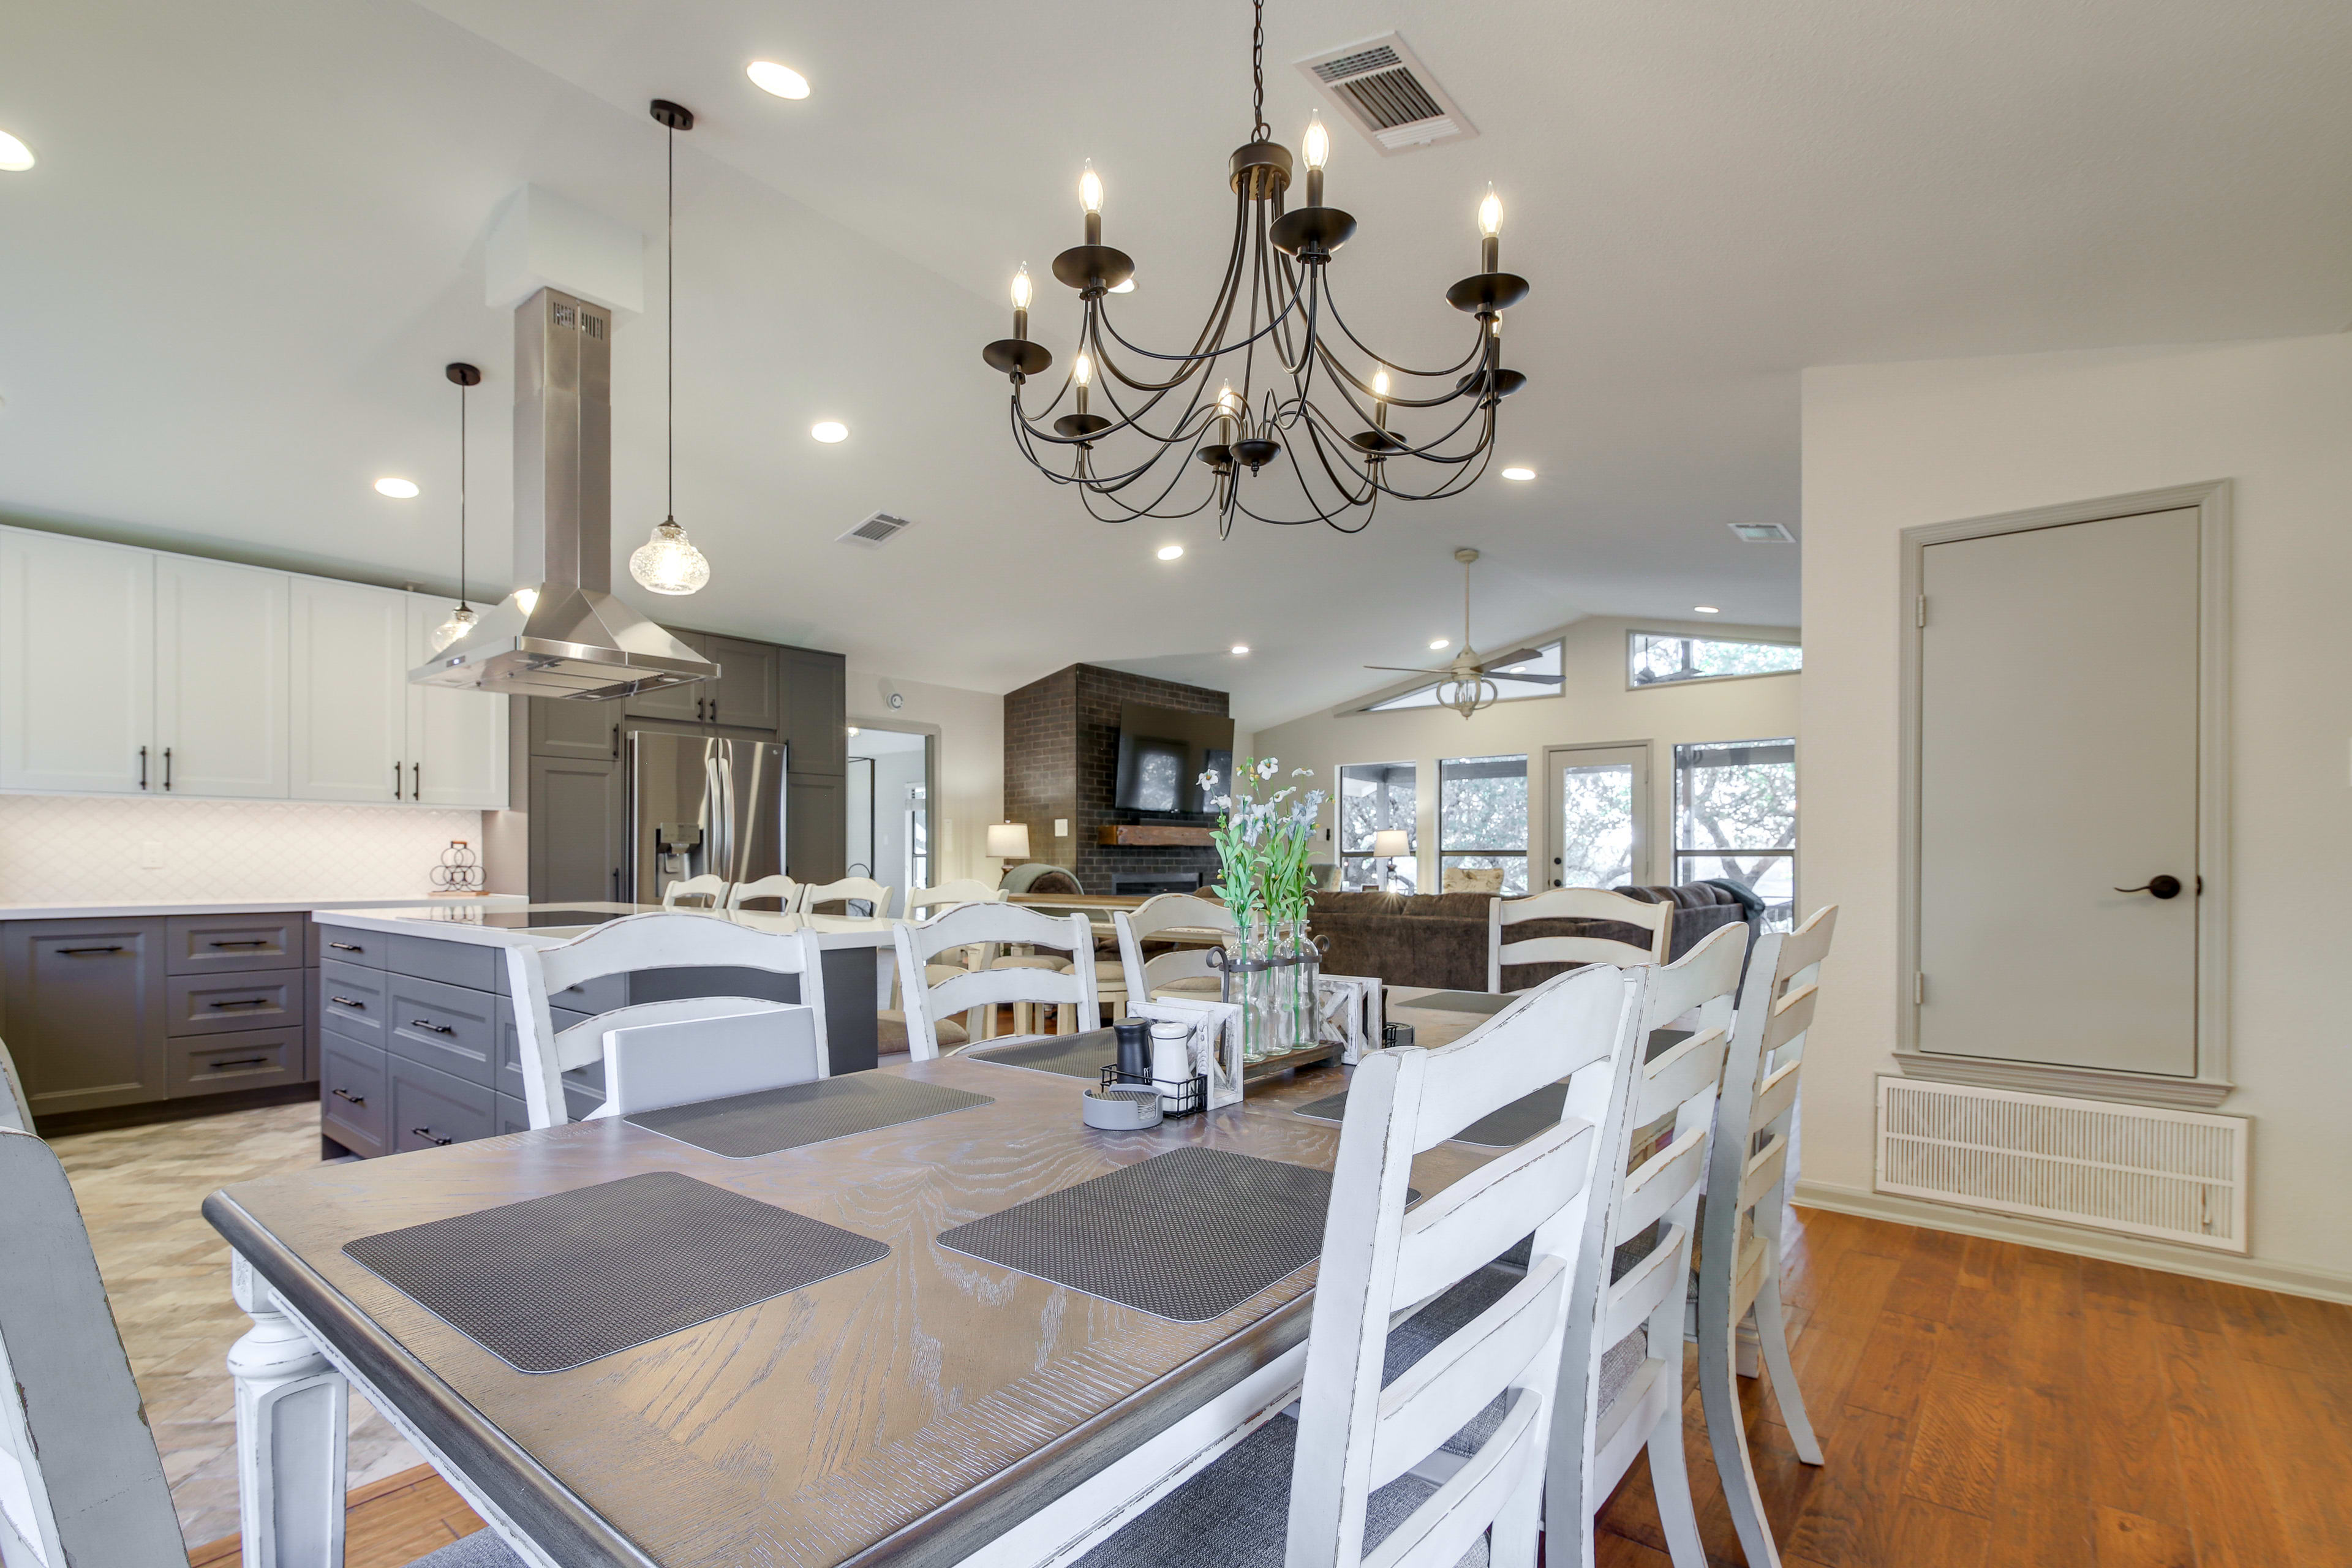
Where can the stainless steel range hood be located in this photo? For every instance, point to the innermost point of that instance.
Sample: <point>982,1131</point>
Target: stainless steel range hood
<point>568,637</point>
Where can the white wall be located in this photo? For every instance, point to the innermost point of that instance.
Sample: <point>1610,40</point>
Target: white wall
<point>1891,447</point>
<point>1594,706</point>
<point>970,760</point>
<point>63,850</point>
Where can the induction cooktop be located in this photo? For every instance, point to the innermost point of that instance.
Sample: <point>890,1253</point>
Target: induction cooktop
<point>517,919</point>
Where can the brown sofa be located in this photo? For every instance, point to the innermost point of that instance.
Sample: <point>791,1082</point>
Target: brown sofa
<point>1440,939</point>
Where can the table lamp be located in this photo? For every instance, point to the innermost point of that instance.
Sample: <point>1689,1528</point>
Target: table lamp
<point>1009,840</point>
<point>1392,844</point>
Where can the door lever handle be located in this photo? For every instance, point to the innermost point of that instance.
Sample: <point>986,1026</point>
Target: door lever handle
<point>2163,886</point>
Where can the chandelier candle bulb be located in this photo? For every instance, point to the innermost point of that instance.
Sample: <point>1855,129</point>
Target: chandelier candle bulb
<point>1316,144</point>
<point>1490,229</point>
<point>1090,194</point>
<point>1380,400</point>
<point>1021,296</point>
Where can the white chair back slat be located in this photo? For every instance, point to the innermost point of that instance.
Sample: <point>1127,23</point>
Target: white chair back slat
<point>1583,1026</point>
<point>1739,1252</point>
<point>988,927</point>
<point>1443,1391</point>
<point>1167,911</point>
<point>1662,1277</point>
<point>1675,1076</point>
<point>705,892</point>
<point>83,1480</point>
<point>1575,903</point>
<point>582,1043</point>
<point>848,890</point>
<point>678,940</point>
<point>1659,1185</point>
<point>924,902</point>
<point>780,888</point>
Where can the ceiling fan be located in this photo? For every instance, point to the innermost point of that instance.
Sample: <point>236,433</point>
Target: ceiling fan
<point>1468,682</point>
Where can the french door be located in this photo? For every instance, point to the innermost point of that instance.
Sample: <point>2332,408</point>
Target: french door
<point>1596,815</point>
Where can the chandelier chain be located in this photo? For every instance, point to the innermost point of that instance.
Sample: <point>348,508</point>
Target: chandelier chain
<point>461,495</point>
<point>669,334</point>
<point>1259,129</point>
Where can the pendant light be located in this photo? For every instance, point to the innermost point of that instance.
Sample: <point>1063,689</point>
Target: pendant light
<point>461,619</point>
<point>669,563</point>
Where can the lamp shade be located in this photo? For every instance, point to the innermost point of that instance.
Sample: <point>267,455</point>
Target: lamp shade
<point>1392,844</point>
<point>1009,839</point>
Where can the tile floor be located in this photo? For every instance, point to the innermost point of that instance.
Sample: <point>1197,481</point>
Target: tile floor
<point>166,1273</point>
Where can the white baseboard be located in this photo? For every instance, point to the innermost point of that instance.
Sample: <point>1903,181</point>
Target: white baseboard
<point>2322,1285</point>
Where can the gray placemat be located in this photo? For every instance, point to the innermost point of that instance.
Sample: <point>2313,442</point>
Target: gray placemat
<point>1187,1235</point>
<point>1511,1126</point>
<point>553,1283</point>
<point>1082,1055</point>
<point>1488,1003</point>
<point>769,1121</point>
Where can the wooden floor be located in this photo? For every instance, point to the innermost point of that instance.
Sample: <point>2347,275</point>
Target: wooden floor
<point>1979,1404</point>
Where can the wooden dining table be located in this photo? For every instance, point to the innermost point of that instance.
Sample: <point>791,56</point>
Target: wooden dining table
<point>908,1412</point>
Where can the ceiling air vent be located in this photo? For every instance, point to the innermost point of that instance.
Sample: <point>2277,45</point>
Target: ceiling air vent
<point>1761,533</point>
<point>1382,87</point>
<point>876,529</point>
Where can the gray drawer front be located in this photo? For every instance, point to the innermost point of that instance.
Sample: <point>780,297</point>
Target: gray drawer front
<point>450,962</point>
<point>430,1109</point>
<point>513,1116</point>
<point>219,1004</point>
<point>353,1095</point>
<point>450,1027</point>
<point>346,944</point>
<point>353,1001</point>
<point>511,1046</point>
<point>222,944</point>
<point>223,1063</point>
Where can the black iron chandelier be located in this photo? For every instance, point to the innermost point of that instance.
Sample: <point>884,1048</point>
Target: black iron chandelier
<point>1279,353</point>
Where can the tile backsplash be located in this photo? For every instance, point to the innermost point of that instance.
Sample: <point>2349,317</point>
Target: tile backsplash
<point>73,850</point>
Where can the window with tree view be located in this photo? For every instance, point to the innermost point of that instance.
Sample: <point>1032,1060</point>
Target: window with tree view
<point>1735,819</point>
<point>1658,659</point>
<point>1376,798</point>
<point>1483,817</point>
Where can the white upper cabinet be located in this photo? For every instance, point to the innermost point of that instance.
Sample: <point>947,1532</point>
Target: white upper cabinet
<point>77,666</point>
<point>349,687</point>
<point>221,679</point>
<point>457,740</point>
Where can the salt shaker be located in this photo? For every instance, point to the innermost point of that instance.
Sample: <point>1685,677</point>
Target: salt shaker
<point>1171,1062</point>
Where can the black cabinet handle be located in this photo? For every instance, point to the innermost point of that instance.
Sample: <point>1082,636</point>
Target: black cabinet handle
<point>167,767</point>
<point>343,946</point>
<point>248,1002</point>
<point>73,951</point>
<point>256,942</point>
<point>347,1001</point>
<point>348,1095</point>
<point>417,781</point>
<point>436,1028</point>
<point>616,743</point>
<point>396,782</point>
<point>426,1133</point>
<point>242,1062</point>
<point>142,767</point>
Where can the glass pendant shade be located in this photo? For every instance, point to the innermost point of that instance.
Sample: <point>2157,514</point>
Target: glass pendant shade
<point>461,621</point>
<point>669,563</point>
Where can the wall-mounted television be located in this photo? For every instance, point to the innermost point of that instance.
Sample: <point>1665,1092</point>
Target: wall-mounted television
<point>1163,753</point>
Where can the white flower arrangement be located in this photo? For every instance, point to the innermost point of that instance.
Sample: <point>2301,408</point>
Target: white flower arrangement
<point>1262,844</point>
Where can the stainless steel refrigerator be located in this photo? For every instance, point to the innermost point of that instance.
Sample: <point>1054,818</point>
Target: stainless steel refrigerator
<point>700,805</point>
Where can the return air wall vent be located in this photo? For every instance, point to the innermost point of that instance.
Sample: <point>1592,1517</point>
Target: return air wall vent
<point>876,529</point>
<point>1761,532</point>
<point>2177,1175</point>
<point>1383,89</point>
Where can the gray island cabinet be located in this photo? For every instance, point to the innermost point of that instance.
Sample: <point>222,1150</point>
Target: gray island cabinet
<point>415,1025</point>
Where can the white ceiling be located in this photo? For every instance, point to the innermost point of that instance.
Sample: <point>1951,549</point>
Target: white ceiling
<point>255,235</point>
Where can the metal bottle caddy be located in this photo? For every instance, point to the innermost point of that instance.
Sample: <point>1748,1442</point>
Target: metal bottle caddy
<point>1232,977</point>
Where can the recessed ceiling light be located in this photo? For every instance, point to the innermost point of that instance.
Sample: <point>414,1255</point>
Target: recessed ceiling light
<point>1171,552</point>
<point>398,489</point>
<point>1241,647</point>
<point>14,156</point>
<point>829,430</point>
<point>782,80</point>
<point>1519,473</point>
<point>1705,610</point>
<point>1125,286</point>
<point>1441,642</point>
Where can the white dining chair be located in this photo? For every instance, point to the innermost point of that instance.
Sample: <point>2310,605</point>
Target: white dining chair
<point>924,902</point>
<point>81,1480</point>
<point>1183,971</point>
<point>661,941</point>
<point>780,888</point>
<point>704,892</point>
<point>848,890</point>
<point>1575,904</point>
<point>1747,1178</point>
<point>1363,1477</point>
<point>16,1110</point>
<point>1071,985</point>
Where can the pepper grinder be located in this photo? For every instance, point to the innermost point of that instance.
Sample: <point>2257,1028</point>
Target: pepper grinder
<point>1134,1036</point>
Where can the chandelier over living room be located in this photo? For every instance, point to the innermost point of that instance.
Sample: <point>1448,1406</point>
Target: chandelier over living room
<point>1276,378</point>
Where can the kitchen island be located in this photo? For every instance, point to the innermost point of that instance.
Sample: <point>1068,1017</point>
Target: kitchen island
<point>417,1035</point>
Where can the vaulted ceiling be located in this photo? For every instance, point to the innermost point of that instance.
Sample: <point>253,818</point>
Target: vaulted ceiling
<point>255,232</point>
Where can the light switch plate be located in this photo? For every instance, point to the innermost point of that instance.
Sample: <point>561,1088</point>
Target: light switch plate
<point>1061,828</point>
<point>151,853</point>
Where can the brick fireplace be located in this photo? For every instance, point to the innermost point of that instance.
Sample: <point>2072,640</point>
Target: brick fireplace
<point>1061,762</point>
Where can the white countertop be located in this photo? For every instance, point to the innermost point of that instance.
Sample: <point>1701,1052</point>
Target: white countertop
<point>461,920</point>
<point>120,911</point>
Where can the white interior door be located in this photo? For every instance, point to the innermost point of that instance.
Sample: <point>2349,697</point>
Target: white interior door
<point>77,666</point>
<point>351,691</point>
<point>2058,763</point>
<point>457,747</point>
<point>1597,807</point>
<point>221,673</point>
